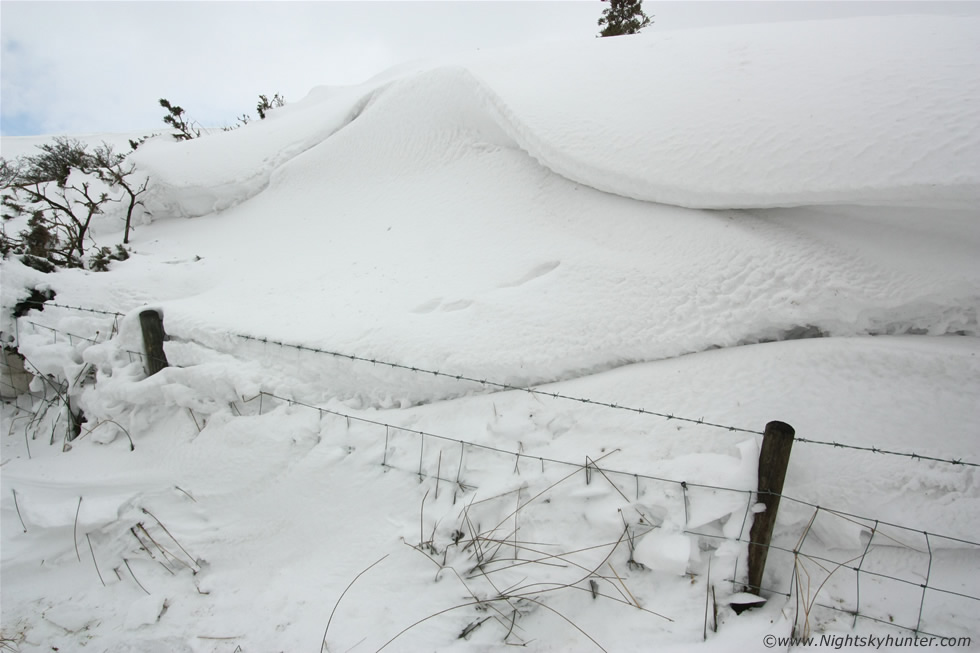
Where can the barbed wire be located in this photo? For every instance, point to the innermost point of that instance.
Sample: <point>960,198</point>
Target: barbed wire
<point>914,456</point>
<point>591,465</point>
<point>558,395</point>
<point>495,384</point>
<point>874,525</point>
<point>41,305</point>
<point>72,336</point>
<point>388,425</point>
<point>593,402</point>
<point>57,332</point>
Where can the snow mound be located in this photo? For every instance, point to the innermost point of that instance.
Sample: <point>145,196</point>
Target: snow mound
<point>868,111</point>
<point>224,168</point>
<point>453,217</point>
<point>853,111</point>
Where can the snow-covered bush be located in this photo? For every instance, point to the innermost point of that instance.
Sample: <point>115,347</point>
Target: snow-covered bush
<point>57,194</point>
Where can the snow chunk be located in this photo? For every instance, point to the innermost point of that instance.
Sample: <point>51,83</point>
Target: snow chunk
<point>664,551</point>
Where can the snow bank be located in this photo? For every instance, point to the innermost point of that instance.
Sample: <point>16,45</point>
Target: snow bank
<point>850,111</point>
<point>224,168</point>
<point>867,110</point>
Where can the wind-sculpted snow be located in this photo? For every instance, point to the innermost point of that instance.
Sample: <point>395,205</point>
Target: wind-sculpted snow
<point>866,111</point>
<point>859,111</point>
<point>423,225</point>
<point>418,226</point>
<point>224,168</point>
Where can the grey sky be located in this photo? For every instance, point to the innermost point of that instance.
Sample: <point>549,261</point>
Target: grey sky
<point>83,67</point>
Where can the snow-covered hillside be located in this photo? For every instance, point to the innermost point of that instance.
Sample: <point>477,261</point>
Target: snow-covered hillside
<point>631,221</point>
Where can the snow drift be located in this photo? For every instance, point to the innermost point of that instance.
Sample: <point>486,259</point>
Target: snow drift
<point>506,216</point>
<point>865,111</point>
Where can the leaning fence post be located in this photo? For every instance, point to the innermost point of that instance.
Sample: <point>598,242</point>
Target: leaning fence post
<point>151,321</point>
<point>777,441</point>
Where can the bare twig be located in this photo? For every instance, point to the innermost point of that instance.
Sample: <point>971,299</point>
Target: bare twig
<point>573,624</point>
<point>165,530</point>
<point>134,575</point>
<point>707,586</point>
<point>166,553</point>
<point>17,507</point>
<point>466,587</point>
<point>92,551</point>
<point>132,447</point>
<point>616,487</point>
<point>27,441</point>
<point>422,520</point>
<point>323,642</point>
<point>177,487</point>
<point>74,530</point>
<point>191,413</point>
<point>438,472</point>
<point>635,602</point>
<point>471,627</point>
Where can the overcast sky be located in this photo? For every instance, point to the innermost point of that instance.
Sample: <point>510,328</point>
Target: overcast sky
<point>81,67</point>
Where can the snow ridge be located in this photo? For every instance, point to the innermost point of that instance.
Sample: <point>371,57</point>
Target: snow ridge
<point>888,115</point>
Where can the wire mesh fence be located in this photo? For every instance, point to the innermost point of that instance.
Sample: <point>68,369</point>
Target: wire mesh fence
<point>835,565</point>
<point>492,384</point>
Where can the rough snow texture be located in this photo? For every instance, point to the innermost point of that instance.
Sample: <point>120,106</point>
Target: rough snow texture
<point>464,196</point>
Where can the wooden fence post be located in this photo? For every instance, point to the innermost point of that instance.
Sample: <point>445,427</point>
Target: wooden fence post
<point>14,379</point>
<point>151,321</point>
<point>777,441</point>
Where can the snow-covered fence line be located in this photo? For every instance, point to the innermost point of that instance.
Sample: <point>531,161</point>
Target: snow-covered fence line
<point>496,385</point>
<point>913,560</point>
<point>72,337</point>
<point>536,391</point>
<point>886,562</point>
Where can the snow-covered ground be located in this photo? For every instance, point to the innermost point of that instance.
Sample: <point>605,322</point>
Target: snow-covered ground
<point>651,222</point>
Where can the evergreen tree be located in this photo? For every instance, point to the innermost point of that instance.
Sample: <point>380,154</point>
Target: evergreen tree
<point>265,105</point>
<point>175,118</point>
<point>623,17</point>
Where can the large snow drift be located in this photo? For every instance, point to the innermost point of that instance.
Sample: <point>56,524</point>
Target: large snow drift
<point>873,110</point>
<point>417,214</point>
<point>498,217</point>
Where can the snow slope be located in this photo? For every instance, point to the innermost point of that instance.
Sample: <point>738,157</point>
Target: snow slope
<point>727,117</point>
<point>526,217</point>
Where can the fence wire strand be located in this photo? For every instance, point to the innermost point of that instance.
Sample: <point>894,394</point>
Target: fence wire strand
<point>557,395</point>
<point>592,465</point>
<point>536,391</point>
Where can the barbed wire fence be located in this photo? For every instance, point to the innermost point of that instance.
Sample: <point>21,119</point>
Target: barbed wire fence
<point>884,535</point>
<point>488,383</point>
<point>537,391</point>
<point>885,542</point>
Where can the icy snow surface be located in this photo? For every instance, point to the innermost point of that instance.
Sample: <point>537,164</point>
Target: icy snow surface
<point>527,216</point>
